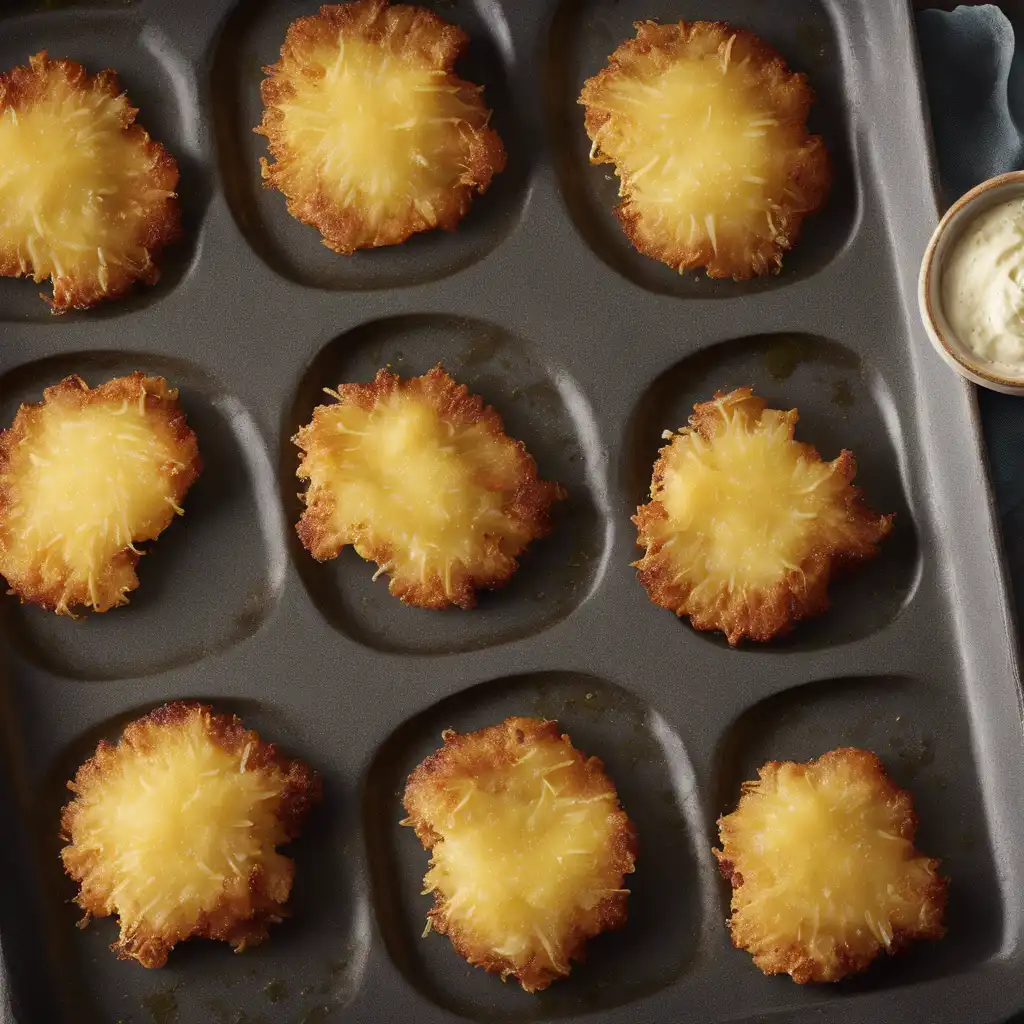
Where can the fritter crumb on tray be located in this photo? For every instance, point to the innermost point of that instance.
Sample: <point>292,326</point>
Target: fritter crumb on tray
<point>374,137</point>
<point>529,848</point>
<point>746,526</point>
<point>418,476</point>
<point>87,198</point>
<point>85,475</point>
<point>175,830</point>
<point>706,127</point>
<point>823,867</point>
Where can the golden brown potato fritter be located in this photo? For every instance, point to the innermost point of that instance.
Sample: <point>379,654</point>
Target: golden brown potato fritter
<point>528,844</point>
<point>85,475</point>
<point>175,830</point>
<point>823,867</point>
<point>706,127</point>
<point>87,198</point>
<point>374,138</point>
<point>418,476</point>
<point>745,525</point>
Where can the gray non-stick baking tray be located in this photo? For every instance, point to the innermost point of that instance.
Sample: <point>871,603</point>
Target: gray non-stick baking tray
<point>588,351</point>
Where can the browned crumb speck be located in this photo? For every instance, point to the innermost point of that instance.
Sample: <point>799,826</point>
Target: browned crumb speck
<point>823,867</point>
<point>85,475</point>
<point>87,198</point>
<point>706,127</point>
<point>746,526</point>
<point>418,476</point>
<point>374,137</point>
<point>175,830</point>
<point>529,848</point>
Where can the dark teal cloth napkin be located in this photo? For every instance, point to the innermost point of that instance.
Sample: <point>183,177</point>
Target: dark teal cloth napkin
<point>975,81</point>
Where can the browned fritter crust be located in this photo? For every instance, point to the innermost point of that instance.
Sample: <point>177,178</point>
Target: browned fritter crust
<point>249,902</point>
<point>841,530</point>
<point>134,209</point>
<point>490,762</point>
<point>412,38</point>
<point>799,168</point>
<point>821,902</point>
<point>500,467</point>
<point>28,550</point>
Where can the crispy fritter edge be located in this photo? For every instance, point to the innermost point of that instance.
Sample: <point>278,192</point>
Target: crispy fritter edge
<point>801,595</point>
<point>161,403</point>
<point>493,748</point>
<point>793,959</point>
<point>813,175</point>
<point>372,20</point>
<point>301,791</point>
<point>531,503</point>
<point>20,88</point>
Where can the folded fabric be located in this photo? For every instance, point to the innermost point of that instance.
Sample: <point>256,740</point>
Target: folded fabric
<point>968,62</point>
<point>975,82</point>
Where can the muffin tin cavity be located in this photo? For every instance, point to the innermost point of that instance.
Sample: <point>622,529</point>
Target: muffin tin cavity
<point>541,406</point>
<point>250,41</point>
<point>842,404</point>
<point>583,35</point>
<point>312,964</point>
<point>923,736</point>
<point>214,574</point>
<point>161,84</point>
<point>646,762</point>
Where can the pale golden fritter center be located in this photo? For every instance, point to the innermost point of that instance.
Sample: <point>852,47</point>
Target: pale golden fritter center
<point>746,525</point>
<point>373,136</point>
<point>86,197</point>
<point>706,127</point>
<point>529,848</point>
<point>419,477</point>
<point>823,866</point>
<point>175,831</point>
<point>85,475</point>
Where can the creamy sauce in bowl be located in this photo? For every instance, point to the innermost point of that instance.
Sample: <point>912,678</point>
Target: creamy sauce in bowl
<point>982,286</point>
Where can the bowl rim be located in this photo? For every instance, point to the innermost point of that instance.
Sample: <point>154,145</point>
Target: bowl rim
<point>979,372</point>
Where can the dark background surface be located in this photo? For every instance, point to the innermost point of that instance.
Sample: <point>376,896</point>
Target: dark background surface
<point>1014,8</point>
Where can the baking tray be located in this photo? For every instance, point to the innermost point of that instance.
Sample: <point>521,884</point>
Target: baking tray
<point>588,351</point>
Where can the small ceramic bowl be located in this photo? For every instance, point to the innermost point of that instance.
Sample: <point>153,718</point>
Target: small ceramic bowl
<point>929,293</point>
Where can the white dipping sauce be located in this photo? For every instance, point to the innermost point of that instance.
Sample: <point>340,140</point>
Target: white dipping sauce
<point>982,285</point>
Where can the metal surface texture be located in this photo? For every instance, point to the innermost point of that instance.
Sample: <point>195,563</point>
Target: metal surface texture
<point>588,351</point>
